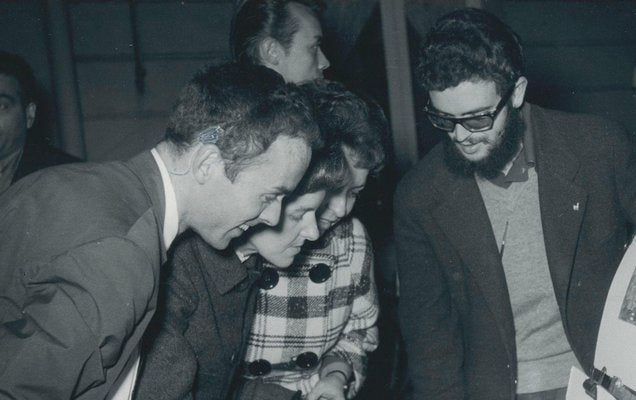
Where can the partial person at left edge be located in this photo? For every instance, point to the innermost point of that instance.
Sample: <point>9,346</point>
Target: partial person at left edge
<point>82,244</point>
<point>21,151</point>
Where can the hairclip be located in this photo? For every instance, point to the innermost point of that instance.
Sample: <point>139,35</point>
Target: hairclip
<point>210,134</point>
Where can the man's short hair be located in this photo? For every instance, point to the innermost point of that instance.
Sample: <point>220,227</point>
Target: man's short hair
<point>257,20</point>
<point>242,109</point>
<point>15,66</point>
<point>468,45</point>
<point>347,120</point>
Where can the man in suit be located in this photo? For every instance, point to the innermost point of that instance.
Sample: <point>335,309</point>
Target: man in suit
<point>196,344</point>
<point>20,153</point>
<point>510,230</point>
<point>282,35</point>
<point>82,245</point>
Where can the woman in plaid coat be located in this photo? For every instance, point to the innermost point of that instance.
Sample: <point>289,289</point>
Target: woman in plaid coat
<point>315,321</point>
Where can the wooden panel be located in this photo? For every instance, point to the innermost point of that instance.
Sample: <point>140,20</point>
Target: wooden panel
<point>578,66</point>
<point>109,88</point>
<point>570,22</point>
<point>21,32</point>
<point>119,139</point>
<point>101,28</point>
<point>182,27</point>
<point>423,14</point>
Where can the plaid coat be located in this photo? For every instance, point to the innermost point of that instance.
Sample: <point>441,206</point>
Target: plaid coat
<point>333,318</point>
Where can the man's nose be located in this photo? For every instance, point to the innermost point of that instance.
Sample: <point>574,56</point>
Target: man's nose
<point>271,214</point>
<point>323,62</point>
<point>460,133</point>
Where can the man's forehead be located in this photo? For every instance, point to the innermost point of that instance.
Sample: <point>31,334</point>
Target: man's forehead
<point>9,86</point>
<point>279,160</point>
<point>468,97</point>
<point>308,23</point>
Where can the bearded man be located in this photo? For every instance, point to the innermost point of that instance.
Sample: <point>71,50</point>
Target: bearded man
<point>509,231</point>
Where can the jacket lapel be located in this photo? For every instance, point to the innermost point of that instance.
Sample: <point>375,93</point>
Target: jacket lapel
<point>145,168</point>
<point>222,271</point>
<point>562,201</point>
<point>467,226</point>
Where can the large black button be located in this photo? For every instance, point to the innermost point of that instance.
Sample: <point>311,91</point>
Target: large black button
<point>307,360</point>
<point>268,279</point>
<point>320,273</point>
<point>259,367</point>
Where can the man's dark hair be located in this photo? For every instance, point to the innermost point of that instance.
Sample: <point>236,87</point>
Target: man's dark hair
<point>347,120</point>
<point>259,19</point>
<point>467,45</point>
<point>15,66</point>
<point>242,109</point>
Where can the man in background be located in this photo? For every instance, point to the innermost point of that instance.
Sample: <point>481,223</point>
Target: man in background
<point>82,245</point>
<point>20,153</point>
<point>281,35</point>
<point>509,231</point>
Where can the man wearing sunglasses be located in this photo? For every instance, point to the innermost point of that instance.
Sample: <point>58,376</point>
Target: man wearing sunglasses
<point>509,231</point>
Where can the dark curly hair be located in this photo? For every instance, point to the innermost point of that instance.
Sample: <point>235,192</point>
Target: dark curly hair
<point>470,44</point>
<point>15,66</point>
<point>246,108</point>
<point>260,19</point>
<point>346,120</point>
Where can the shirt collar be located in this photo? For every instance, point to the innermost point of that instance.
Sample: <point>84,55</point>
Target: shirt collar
<point>171,220</point>
<point>517,169</point>
<point>242,256</point>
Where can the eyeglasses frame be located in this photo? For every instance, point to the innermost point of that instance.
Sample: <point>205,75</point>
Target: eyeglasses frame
<point>492,114</point>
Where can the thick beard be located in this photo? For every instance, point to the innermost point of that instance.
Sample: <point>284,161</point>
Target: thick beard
<point>499,156</point>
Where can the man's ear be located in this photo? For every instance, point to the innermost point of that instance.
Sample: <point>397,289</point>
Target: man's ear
<point>270,52</point>
<point>519,93</point>
<point>30,114</point>
<point>207,163</point>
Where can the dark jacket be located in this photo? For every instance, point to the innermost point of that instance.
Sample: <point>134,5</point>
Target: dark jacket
<point>38,154</point>
<point>455,311</point>
<point>80,252</point>
<point>196,344</point>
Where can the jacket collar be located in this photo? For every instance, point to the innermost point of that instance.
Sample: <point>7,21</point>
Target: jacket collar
<point>146,170</point>
<point>223,269</point>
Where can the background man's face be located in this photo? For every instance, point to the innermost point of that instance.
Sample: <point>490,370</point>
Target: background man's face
<point>225,209</point>
<point>304,60</point>
<point>15,118</point>
<point>280,244</point>
<point>466,99</point>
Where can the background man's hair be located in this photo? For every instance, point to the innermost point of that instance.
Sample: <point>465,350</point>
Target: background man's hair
<point>347,120</point>
<point>467,45</point>
<point>242,109</point>
<point>15,66</point>
<point>259,19</point>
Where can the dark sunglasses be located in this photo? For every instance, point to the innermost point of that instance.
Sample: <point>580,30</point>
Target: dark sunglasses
<point>474,123</point>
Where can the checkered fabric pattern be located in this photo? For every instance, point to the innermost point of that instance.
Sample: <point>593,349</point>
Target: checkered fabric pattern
<point>335,317</point>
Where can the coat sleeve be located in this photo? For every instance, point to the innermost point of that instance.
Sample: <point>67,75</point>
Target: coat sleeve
<point>67,322</point>
<point>428,320</point>
<point>169,363</point>
<point>360,334</point>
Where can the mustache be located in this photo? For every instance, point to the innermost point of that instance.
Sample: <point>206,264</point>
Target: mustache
<point>499,155</point>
